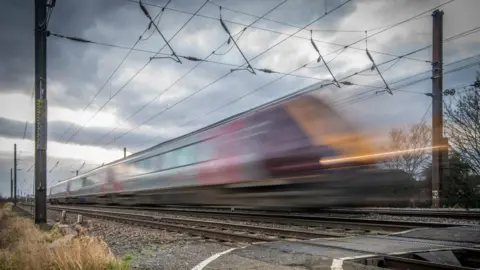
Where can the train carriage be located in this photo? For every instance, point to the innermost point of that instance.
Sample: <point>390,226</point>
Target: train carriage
<point>296,152</point>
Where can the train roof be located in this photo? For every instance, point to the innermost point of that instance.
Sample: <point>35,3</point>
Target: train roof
<point>278,101</point>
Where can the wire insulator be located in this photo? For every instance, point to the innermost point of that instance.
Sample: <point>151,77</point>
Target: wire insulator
<point>144,9</point>
<point>266,70</point>
<point>79,39</point>
<point>192,58</point>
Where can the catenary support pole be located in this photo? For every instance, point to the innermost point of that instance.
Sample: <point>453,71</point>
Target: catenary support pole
<point>11,183</point>
<point>15,174</point>
<point>437,108</point>
<point>40,111</point>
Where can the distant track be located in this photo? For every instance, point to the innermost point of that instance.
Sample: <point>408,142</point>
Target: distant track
<point>423,212</point>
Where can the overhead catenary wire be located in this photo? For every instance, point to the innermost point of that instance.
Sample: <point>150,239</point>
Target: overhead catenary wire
<point>249,66</point>
<point>454,37</point>
<point>240,34</point>
<point>109,77</point>
<point>301,37</point>
<point>394,89</point>
<point>320,58</point>
<point>385,70</point>
<point>197,59</point>
<point>424,117</point>
<point>54,166</point>
<point>225,75</point>
<point>296,26</point>
<point>370,57</point>
<point>263,86</point>
<point>350,102</point>
<point>200,61</point>
<point>193,58</point>
<point>429,70</point>
<point>247,94</point>
<point>152,22</point>
<point>104,84</point>
<point>157,23</point>
<point>131,78</point>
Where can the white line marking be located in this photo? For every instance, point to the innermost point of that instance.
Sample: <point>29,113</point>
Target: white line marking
<point>407,231</point>
<point>210,259</point>
<point>337,264</point>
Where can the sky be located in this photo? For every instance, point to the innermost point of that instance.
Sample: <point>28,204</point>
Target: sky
<point>103,98</point>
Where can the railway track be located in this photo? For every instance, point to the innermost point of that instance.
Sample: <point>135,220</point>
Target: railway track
<point>320,227</point>
<point>209,229</point>
<point>420,212</point>
<point>326,222</point>
<point>472,214</point>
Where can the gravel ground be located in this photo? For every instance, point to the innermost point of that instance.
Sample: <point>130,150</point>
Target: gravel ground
<point>150,248</point>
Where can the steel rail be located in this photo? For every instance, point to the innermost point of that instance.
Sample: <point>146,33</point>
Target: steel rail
<point>302,220</point>
<point>182,223</point>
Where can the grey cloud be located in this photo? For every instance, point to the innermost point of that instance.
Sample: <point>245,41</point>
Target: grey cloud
<point>89,136</point>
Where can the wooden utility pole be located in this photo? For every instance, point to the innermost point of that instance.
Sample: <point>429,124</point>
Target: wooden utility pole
<point>437,108</point>
<point>124,152</point>
<point>40,111</point>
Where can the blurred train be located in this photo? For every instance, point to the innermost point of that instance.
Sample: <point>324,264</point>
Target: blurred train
<point>292,153</point>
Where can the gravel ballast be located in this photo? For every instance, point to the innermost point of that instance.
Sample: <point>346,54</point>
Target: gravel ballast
<point>150,248</point>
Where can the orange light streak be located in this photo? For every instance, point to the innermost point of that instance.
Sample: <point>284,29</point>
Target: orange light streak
<point>377,155</point>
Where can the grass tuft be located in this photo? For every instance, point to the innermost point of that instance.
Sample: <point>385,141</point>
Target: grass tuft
<point>24,246</point>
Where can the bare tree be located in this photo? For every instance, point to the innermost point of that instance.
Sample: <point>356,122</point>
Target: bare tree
<point>409,148</point>
<point>463,125</point>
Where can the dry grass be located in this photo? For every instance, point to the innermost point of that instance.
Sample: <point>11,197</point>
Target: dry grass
<point>24,246</point>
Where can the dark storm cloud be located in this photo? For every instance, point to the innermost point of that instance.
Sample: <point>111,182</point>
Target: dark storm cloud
<point>17,39</point>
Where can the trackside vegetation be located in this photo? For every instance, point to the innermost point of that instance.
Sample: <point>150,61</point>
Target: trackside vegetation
<point>25,246</point>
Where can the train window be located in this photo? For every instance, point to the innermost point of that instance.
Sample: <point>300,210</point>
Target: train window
<point>76,184</point>
<point>189,153</point>
<point>169,161</point>
<point>93,178</point>
<point>58,189</point>
<point>205,150</point>
<point>140,167</point>
<point>183,156</point>
<point>156,162</point>
<point>87,182</point>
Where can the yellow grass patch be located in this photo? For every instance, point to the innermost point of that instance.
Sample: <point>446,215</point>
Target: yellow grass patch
<point>24,246</point>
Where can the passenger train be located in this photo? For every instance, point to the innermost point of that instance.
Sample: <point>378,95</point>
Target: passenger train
<point>293,153</point>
